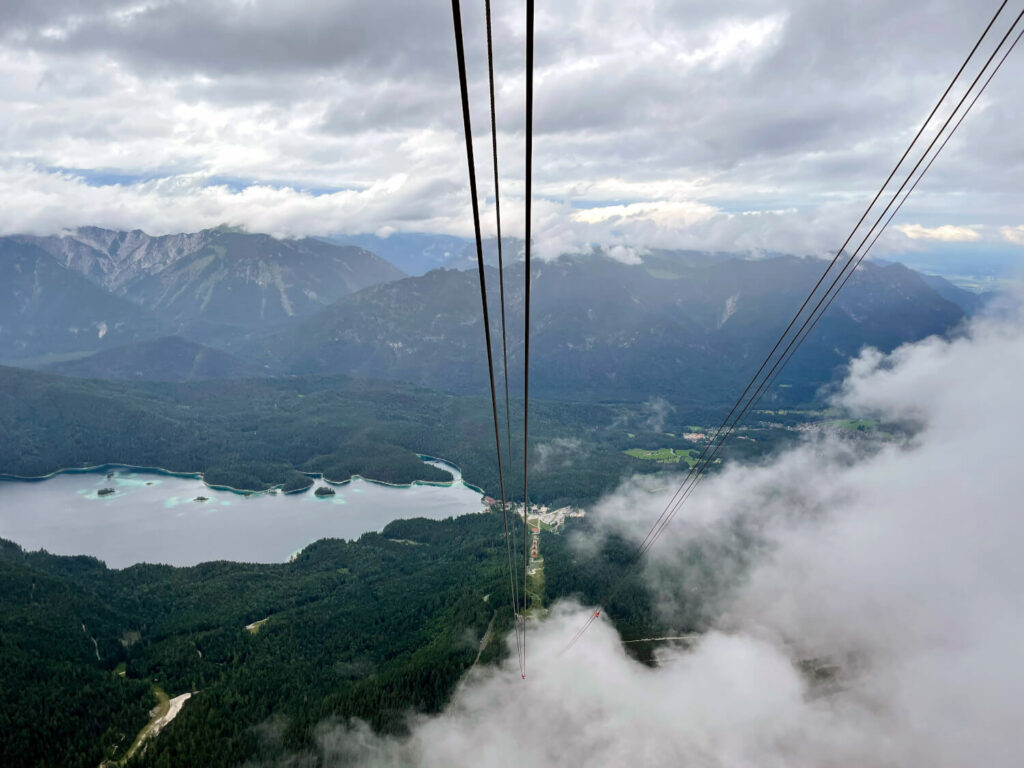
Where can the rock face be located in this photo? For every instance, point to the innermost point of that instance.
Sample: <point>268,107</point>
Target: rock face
<point>208,282</point>
<point>115,259</point>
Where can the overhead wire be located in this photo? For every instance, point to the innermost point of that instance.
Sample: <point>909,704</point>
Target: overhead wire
<point>526,305</point>
<point>697,470</point>
<point>906,196</point>
<point>832,263</point>
<point>514,556</point>
<point>821,306</point>
<point>468,129</point>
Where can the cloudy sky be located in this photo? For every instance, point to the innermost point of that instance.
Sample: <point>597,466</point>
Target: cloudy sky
<point>748,125</point>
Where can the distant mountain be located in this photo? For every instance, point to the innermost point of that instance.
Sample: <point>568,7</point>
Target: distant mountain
<point>251,281</point>
<point>167,359</point>
<point>466,258</point>
<point>971,303</point>
<point>116,259</point>
<point>687,326</point>
<point>414,253</point>
<point>47,309</point>
<point>417,254</point>
<point>212,283</point>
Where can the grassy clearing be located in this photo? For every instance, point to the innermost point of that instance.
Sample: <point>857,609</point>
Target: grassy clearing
<point>860,424</point>
<point>255,627</point>
<point>663,455</point>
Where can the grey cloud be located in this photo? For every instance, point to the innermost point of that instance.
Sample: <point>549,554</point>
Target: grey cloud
<point>226,37</point>
<point>631,98</point>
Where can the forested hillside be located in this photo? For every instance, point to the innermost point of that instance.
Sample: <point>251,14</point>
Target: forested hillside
<point>688,327</point>
<point>375,629</point>
<point>257,433</point>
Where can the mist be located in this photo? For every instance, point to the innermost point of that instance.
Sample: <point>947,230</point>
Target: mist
<point>894,565</point>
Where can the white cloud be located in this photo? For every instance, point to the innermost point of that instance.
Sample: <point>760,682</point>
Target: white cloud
<point>1013,235</point>
<point>661,213</point>
<point>947,233</point>
<point>900,566</point>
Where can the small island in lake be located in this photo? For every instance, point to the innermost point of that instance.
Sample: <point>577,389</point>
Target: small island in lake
<point>323,490</point>
<point>200,498</point>
<point>104,491</point>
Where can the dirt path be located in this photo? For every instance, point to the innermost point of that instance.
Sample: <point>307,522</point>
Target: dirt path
<point>163,713</point>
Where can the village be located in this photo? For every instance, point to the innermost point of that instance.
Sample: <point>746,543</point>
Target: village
<point>538,518</point>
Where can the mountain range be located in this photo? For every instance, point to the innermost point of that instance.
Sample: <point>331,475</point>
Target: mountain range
<point>685,325</point>
<point>681,325</point>
<point>213,283</point>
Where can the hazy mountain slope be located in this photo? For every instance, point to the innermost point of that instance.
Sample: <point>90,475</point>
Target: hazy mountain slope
<point>47,309</point>
<point>968,301</point>
<point>414,253</point>
<point>689,329</point>
<point>170,358</point>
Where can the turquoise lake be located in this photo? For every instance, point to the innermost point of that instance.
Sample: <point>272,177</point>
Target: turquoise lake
<point>156,518</point>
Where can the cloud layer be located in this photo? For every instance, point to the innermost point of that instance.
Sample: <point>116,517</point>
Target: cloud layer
<point>761,125</point>
<point>895,569</point>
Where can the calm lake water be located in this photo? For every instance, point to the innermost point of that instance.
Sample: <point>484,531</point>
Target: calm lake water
<point>155,518</point>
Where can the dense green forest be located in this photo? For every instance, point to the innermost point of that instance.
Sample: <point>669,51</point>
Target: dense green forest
<point>375,629</point>
<point>256,433</point>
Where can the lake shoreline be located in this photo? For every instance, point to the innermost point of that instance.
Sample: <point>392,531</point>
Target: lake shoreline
<point>154,518</point>
<point>273,490</point>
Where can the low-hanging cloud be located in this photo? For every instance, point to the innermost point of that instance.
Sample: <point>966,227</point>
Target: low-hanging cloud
<point>895,566</point>
<point>559,453</point>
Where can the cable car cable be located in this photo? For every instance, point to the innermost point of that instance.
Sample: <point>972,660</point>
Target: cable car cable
<point>514,557</point>
<point>696,472</point>
<point>835,259</point>
<point>468,129</point>
<point>526,306</point>
<point>804,328</point>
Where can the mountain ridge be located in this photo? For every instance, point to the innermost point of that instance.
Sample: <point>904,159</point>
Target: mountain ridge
<point>604,330</point>
<point>211,284</point>
<point>169,358</point>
